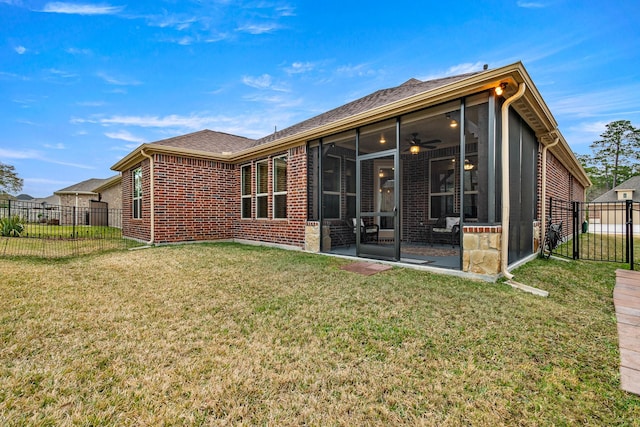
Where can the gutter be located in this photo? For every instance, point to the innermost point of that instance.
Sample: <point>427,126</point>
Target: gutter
<point>543,207</point>
<point>152,208</point>
<point>506,207</point>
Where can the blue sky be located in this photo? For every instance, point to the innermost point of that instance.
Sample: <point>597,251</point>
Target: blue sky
<point>82,83</point>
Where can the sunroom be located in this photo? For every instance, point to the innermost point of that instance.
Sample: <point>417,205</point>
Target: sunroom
<point>409,188</point>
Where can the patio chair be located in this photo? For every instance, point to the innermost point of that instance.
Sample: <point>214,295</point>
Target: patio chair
<point>368,233</point>
<point>446,230</point>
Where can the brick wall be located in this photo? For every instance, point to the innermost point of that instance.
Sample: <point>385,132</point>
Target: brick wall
<point>289,231</point>
<point>561,186</point>
<point>195,199</point>
<point>136,228</point>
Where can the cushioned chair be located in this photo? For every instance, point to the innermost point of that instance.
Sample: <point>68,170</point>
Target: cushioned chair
<point>446,230</point>
<point>368,233</point>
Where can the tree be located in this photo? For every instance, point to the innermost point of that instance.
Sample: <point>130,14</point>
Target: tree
<point>9,180</point>
<point>616,156</point>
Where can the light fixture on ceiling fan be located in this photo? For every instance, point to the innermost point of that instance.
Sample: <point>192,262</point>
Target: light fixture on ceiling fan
<point>416,144</point>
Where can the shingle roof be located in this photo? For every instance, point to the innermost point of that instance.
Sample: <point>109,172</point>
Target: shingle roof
<point>208,140</point>
<point>83,187</point>
<point>379,98</point>
<point>630,184</point>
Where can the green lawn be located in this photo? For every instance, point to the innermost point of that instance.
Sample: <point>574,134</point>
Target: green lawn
<point>57,241</point>
<point>226,334</point>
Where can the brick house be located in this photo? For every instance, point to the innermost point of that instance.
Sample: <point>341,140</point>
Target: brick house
<point>473,155</point>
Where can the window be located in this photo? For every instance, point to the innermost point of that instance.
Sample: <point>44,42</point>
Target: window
<point>442,187</point>
<point>471,187</point>
<point>280,187</point>
<point>331,177</point>
<point>137,193</point>
<point>245,175</point>
<point>350,175</point>
<point>262,189</point>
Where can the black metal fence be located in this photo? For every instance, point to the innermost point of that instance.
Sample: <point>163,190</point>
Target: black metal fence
<point>598,231</point>
<point>54,231</point>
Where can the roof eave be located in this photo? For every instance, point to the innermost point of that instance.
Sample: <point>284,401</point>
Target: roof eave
<point>136,156</point>
<point>110,183</point>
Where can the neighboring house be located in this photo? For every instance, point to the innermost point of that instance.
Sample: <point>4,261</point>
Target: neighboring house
<point>94,201</point>
<point>608,213</point>
<point>480,147</point>
<point>83,205</point>
<point>110,192</point>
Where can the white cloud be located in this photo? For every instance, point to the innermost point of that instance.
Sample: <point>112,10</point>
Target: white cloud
<point>46,181</point>
<point>531,5</point>
<point>12,76</point>
<point>192,122</point>
<point>285,11</point>
<point>61,73</point>
<point>258,28</point>
<point>618,101</point>
<point>173,21</point>
<point>126,148</point>
<point>125,136</point>
<point>20,50</point>
<point>58,146</point>
<point>91,103</point>
<point>261,82</point>
<point>300,67</point>
<point>117,81</point>
<point>36,155</point>
<point>76,51</point>
<point>454,70</point>
<point>275,100</point>
<point>81,9</point>
<point>359,70</point>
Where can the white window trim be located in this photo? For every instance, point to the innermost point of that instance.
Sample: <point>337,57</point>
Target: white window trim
<point>136,199</point>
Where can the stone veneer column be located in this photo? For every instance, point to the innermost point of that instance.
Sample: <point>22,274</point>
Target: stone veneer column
<point>481,253</point>
<point>312,236</point>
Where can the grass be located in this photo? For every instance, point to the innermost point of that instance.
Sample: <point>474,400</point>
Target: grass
<point>57,241</point>
<point>41,230</point>
<point>230,334</point>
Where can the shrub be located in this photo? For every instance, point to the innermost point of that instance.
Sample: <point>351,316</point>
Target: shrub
<point>11,226</point>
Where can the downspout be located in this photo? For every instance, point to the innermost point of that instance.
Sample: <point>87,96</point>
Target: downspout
<point>152,208</point>
<point>506,207</point>
<point>543,205</point>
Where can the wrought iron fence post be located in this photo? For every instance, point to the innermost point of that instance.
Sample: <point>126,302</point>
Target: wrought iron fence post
<point>9,216</point>
<point>576,229</point>
<point>629,232</point>
<point>73,227</point>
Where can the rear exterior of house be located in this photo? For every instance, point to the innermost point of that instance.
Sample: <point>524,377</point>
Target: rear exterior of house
<point>405,161</point>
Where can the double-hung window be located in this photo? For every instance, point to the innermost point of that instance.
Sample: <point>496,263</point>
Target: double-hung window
<point>262,189</point>
<point>350,176</point>
<point>245,176</point>
<point>471,187</point>
<point>331,183</point>
<point>137,193</point>
<point>280,187</point>
<point>442,187</point>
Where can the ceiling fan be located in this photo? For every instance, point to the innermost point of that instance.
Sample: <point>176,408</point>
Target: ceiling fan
<point>416,143</point>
